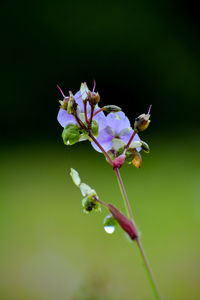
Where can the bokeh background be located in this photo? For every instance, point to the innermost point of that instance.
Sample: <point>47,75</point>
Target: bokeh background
<point>139,53</point>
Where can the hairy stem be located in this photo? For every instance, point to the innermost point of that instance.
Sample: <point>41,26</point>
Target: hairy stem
<point>140,247</point>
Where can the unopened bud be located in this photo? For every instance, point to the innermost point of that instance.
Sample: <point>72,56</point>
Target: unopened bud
<point>124,222</point>
<point>93,98</point>
<point>90,204</point>
<point>64,103</point>
<point>142,122</point>
<point>145,147</point>
<point>72,105</point>
<point>137,160</point>
<point>111,108</point>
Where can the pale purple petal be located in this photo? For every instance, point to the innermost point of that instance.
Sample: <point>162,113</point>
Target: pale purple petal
<point>64,118</point>
<point>127,137</point>
<point>118,121</point>
<point>105,140</point>
<point>101,120</point>
<point>79,100</point>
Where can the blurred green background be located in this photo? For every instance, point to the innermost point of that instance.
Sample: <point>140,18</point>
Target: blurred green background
<point>139,54</point>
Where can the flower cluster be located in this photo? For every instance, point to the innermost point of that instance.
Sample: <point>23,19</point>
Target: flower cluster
<point>83,119</point>
<point>110,133</point>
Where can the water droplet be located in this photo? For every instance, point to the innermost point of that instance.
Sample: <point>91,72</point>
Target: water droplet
<point>109,229</point>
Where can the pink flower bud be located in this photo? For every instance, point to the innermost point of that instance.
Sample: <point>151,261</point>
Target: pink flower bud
<point>124,222</point>
<point>118,162</point>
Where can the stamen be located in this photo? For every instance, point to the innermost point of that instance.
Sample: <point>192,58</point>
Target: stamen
<point>149,109</point>
<point>94,86</point>
<point>61,91</point>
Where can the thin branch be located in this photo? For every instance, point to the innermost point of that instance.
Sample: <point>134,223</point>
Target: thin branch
<point>100,147</point>
<point>85,111</point>
<point>129,142</point>
<point>140,247</point>
<point>98,111</point>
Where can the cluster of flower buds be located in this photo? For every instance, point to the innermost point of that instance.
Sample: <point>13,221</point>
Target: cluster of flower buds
<point>91,202</point>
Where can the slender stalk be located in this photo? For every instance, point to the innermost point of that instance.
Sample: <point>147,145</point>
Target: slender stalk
<point>129,142</point>
<point>98,111</point>
<point>91,116</point>
<point>138,242</point>
<point>149,271</point>
<point>100,147</point>
<point>85,111</point>
<point>124,195</point>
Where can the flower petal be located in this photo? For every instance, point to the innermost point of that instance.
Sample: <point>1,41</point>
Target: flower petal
<point>118,121</point>
<point>105,140</point>
<point>64,118</point>
<point>126,138</point>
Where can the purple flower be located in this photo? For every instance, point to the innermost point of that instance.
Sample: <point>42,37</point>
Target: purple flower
<point>117,127</point>
<point>64,118</point>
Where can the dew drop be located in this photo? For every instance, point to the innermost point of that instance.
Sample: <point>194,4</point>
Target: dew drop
<point>109,229</point>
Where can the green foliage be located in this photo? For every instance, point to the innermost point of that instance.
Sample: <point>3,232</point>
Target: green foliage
<point>71,134</point>
<point>95,128</point>
<point>89,204</point>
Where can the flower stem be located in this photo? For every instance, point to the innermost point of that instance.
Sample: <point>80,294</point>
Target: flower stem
<point>149,271</point>
<point>98,111</point>
<point>138,242</point>
<point>129,142</point>
<point>124,195</point>
<point>85,112</point>
<point>100,147</point>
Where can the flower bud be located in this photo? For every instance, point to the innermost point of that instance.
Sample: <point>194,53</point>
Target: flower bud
<point>90,204</point>
<point>145,147</point>
<point>93,98</point>
<point>124,222</point>
<point>84,91</point>
<point>111,108</point>
<point>72,105</point>
<point>137,160</point>
<point>142,122</point>
<point>64,103</point>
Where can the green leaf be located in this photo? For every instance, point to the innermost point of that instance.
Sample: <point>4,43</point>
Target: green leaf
<point>70,134</point>
<point>75,177</point>
<point>86,190</point>
<point>95,128</point>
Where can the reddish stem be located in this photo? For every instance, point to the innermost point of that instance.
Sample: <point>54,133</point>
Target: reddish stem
<point>129,142</point>
<point>92,115</point>
<point>98,111</point>
<point>100,147</point>
<point>85,111</point>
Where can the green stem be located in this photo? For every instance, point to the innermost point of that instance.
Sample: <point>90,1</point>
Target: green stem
<point>138,242</point>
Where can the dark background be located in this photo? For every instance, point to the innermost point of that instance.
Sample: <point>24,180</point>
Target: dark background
<point>139,53</point>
